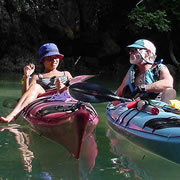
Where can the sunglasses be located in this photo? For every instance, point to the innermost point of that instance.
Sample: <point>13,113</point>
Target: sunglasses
<point>135,50</point>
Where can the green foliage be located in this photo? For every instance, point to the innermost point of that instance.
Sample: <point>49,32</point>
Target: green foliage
<point>172,7</point>
<point>140,18</point>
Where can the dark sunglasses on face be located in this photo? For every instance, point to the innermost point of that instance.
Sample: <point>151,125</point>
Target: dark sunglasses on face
<point>134,50</point>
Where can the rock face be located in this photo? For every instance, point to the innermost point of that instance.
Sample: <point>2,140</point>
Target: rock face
<point>71,24</point>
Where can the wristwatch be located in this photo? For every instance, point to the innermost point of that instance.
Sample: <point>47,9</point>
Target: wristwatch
<point>143,87</point>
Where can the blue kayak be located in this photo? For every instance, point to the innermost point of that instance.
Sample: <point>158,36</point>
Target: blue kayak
<point>157,132</point>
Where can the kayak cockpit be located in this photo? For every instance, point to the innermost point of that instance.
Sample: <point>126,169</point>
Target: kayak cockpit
<point>162,123</point>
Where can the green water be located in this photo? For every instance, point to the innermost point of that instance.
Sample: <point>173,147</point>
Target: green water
<point>105,156</point>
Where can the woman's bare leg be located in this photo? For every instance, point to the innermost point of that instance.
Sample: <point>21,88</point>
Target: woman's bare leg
<point>30,95</point>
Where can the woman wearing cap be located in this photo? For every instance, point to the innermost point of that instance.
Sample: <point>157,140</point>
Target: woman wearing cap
<point>50,57</point>
<point>146,76</point>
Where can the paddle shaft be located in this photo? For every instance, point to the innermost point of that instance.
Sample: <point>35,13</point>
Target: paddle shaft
<point>93,93</point>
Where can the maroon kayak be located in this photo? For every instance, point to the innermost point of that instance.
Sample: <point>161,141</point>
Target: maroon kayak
<point>66,123</point>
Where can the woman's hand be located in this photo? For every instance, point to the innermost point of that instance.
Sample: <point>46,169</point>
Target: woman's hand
<point>29,69</point>
<point>59,85</point>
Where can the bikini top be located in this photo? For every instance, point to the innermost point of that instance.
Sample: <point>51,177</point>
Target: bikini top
<point>50,83</point>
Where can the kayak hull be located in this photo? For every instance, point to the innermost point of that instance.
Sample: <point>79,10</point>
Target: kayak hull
<point>158,138</point>
<point>66,123</point>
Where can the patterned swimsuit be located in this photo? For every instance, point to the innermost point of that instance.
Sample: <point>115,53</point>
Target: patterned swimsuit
<point>50,83</point>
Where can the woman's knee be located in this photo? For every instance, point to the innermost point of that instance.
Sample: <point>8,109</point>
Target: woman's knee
<point>36,88</point>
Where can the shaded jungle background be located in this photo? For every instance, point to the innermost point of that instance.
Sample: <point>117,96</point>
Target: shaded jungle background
<point>92,34</point>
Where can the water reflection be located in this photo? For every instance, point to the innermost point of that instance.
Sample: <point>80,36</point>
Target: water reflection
<point>43,159</point>
<point>133,162</point>
<point>22,141</point>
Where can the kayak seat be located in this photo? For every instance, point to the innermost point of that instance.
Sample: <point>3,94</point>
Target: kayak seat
<point>54,109</point>
<point>161,123</point>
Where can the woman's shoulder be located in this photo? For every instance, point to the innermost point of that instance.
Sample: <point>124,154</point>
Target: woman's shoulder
<point>66,72</point>
<point>68,75</point>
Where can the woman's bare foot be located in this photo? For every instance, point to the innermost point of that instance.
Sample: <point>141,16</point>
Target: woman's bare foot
<point>5,120</point>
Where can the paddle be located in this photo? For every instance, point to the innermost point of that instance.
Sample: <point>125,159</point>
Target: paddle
<point>80,78</point>
<point>93,93</point>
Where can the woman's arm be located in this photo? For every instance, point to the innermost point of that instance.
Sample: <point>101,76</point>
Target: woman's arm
<point>28,70</point>
<point>68,75</point>
<point>60,86</point>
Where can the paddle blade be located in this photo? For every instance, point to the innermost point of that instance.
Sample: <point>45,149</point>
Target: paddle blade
<point>80,78</point>
<point>92,93</point>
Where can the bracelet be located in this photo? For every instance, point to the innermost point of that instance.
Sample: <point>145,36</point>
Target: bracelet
<point>23,79</point>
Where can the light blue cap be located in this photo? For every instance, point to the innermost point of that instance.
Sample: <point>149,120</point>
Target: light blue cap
<point>143,44</point>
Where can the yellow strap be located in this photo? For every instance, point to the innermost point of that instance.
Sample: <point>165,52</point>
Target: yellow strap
<point>22,81</point>
<point>175,103</point>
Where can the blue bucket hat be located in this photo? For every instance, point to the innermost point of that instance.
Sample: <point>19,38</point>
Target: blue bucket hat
<point>49,49</point>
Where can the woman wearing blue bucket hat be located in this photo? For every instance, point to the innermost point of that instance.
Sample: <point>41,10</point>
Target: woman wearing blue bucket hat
<point>40,83</point>
<point>146,77</point>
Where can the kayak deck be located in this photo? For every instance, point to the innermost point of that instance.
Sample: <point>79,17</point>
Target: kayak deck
<point>159,134</point>
<point>66,123</point>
